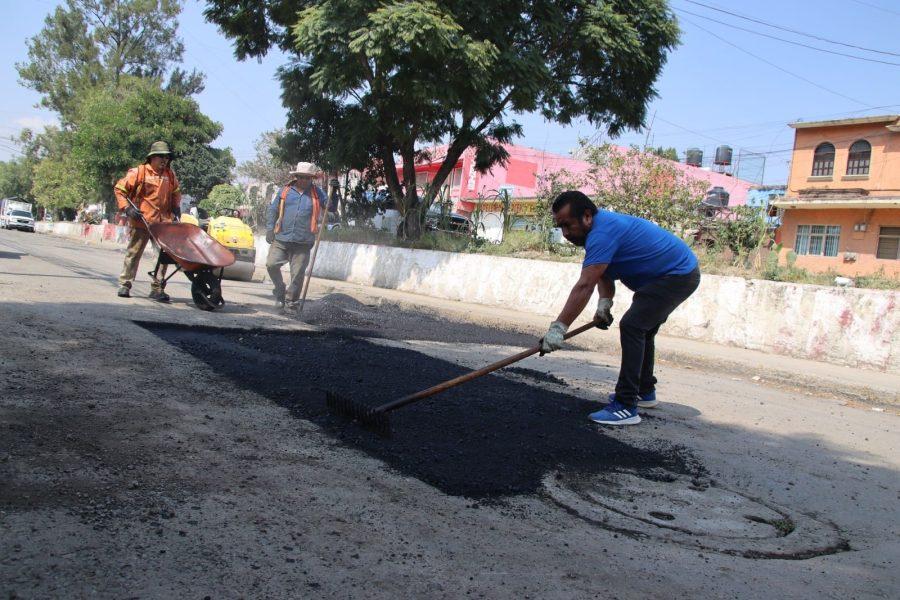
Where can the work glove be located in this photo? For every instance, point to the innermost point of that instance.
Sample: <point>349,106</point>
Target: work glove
<point>270,236</point>
<point>603,316</point>
<point>133,212</point>
<point>554,338</point>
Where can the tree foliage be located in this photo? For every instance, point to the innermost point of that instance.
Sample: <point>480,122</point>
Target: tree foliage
<point>267,166</point>
<point>372,78</point>
<point>746,229</point>
<point>222,197</point>
<point>116,127</point>
<point>15,178</point>
<point>89,43</point>
<point>629,181</point>
<point>667,153</point>
<point>202,167</point>
<point>59,184</point>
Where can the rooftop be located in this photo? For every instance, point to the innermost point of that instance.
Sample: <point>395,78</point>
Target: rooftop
<point>894,119</point>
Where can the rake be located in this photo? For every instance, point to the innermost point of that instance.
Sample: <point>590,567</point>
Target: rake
<point>377,418</point>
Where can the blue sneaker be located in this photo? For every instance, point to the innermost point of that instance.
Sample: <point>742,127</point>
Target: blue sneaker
<point>616,414</point>
<point>647,400</point>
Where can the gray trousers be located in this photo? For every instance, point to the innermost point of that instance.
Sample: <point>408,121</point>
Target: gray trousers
<point>282,253</point>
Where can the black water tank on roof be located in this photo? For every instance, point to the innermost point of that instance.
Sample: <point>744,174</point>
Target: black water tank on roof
<point>694,156</point>
<point>723,155</point>
<point>717,196</point>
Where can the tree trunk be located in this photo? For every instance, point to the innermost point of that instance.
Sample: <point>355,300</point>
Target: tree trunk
<point>411,225</point>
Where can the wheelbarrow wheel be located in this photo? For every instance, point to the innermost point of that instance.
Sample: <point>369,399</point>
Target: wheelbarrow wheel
<point>206,290</point>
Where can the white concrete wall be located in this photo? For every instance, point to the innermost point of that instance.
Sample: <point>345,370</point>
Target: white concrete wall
<point>845,326</point>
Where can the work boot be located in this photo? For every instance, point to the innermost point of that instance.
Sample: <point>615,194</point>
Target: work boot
<point>124,292</point>
<point>292,307</point>
<point>279,298</point>
<point>159,296</point>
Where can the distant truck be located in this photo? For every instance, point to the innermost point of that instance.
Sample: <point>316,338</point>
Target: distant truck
<point>15,214</point>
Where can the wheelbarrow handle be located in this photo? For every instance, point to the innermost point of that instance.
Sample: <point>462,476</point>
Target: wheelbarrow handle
<point>135,207</point>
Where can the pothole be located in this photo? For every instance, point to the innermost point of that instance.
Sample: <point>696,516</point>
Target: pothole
<point>678,509</point>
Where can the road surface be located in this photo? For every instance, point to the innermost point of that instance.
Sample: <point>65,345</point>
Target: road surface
<point>158,451</point>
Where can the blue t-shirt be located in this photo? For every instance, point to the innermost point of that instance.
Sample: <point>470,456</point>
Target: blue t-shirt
<point>636,250</point>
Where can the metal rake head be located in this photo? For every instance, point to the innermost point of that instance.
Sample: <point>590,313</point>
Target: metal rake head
<point>372,419</point>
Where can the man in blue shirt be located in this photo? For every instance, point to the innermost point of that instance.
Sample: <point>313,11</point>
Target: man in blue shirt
<point>292,222</point>
<point>657,266</point>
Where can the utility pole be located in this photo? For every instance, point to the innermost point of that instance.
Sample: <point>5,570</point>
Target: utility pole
<point>649,129</point>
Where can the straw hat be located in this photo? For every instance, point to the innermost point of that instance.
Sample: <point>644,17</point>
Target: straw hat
<point>306,168</point>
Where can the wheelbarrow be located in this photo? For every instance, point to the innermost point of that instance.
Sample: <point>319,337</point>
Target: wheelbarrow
<point>193,251</point>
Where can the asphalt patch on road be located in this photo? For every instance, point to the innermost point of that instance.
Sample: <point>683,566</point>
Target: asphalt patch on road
<point>487,439</point>
<point>536,375</point>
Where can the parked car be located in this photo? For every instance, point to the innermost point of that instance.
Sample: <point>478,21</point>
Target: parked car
<point>453,223</point>
<point>17,219</point>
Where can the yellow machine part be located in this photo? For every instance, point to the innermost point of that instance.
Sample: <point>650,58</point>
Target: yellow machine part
<point>189,218</point>
<point>231,232</point>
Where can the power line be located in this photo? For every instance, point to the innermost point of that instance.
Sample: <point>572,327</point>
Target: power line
<point>876,7</point>
<point>770,63</point>
<point>831,141</point>
<point>801,44</point>
<point>769,126</point>
<point>789,30</point>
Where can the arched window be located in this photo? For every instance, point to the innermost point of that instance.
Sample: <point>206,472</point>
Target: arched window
<point>823,160</point>
<point>860,156</point>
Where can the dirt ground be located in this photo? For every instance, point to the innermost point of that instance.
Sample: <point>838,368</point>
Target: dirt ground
<point>158,451</point>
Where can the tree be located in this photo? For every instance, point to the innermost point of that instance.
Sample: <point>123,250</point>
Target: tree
<point>60,184</point>
<point>116,127</point>
<point>371,78</point>
<point>222,197</point>
<point>667,153</point>
<point>15,178</point>
<point>88,43</point>
<point>644,185</point>
<point>202,167</point>
<point>267,166</point>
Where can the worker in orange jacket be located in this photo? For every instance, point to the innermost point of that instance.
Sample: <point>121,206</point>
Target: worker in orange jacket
<point>148,193</point>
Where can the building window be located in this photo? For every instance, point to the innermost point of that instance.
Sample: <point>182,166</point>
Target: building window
<point>889,243</point>
<point>818,240</point>
<point>823,160</point>
<point>423,178</point>
<point>455,178</point>
<point>860,156</point>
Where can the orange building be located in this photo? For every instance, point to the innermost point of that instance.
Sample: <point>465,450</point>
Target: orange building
<point>842,205</point>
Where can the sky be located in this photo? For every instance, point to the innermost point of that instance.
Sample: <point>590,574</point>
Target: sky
<point>721,85</point>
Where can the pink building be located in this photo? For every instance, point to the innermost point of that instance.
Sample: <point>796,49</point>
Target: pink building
<point>526,166</point>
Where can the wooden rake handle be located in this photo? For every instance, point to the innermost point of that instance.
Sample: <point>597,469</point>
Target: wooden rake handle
<point>395,404</point>
<point>312,257</point>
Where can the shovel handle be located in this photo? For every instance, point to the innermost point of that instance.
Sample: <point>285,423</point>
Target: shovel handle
<point>474,374</point>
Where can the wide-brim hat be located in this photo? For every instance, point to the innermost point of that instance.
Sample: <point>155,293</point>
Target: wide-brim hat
<point>159,149</point>
<point>306,168</point>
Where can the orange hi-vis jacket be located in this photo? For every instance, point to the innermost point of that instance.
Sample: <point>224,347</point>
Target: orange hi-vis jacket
<point>155,194</point>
